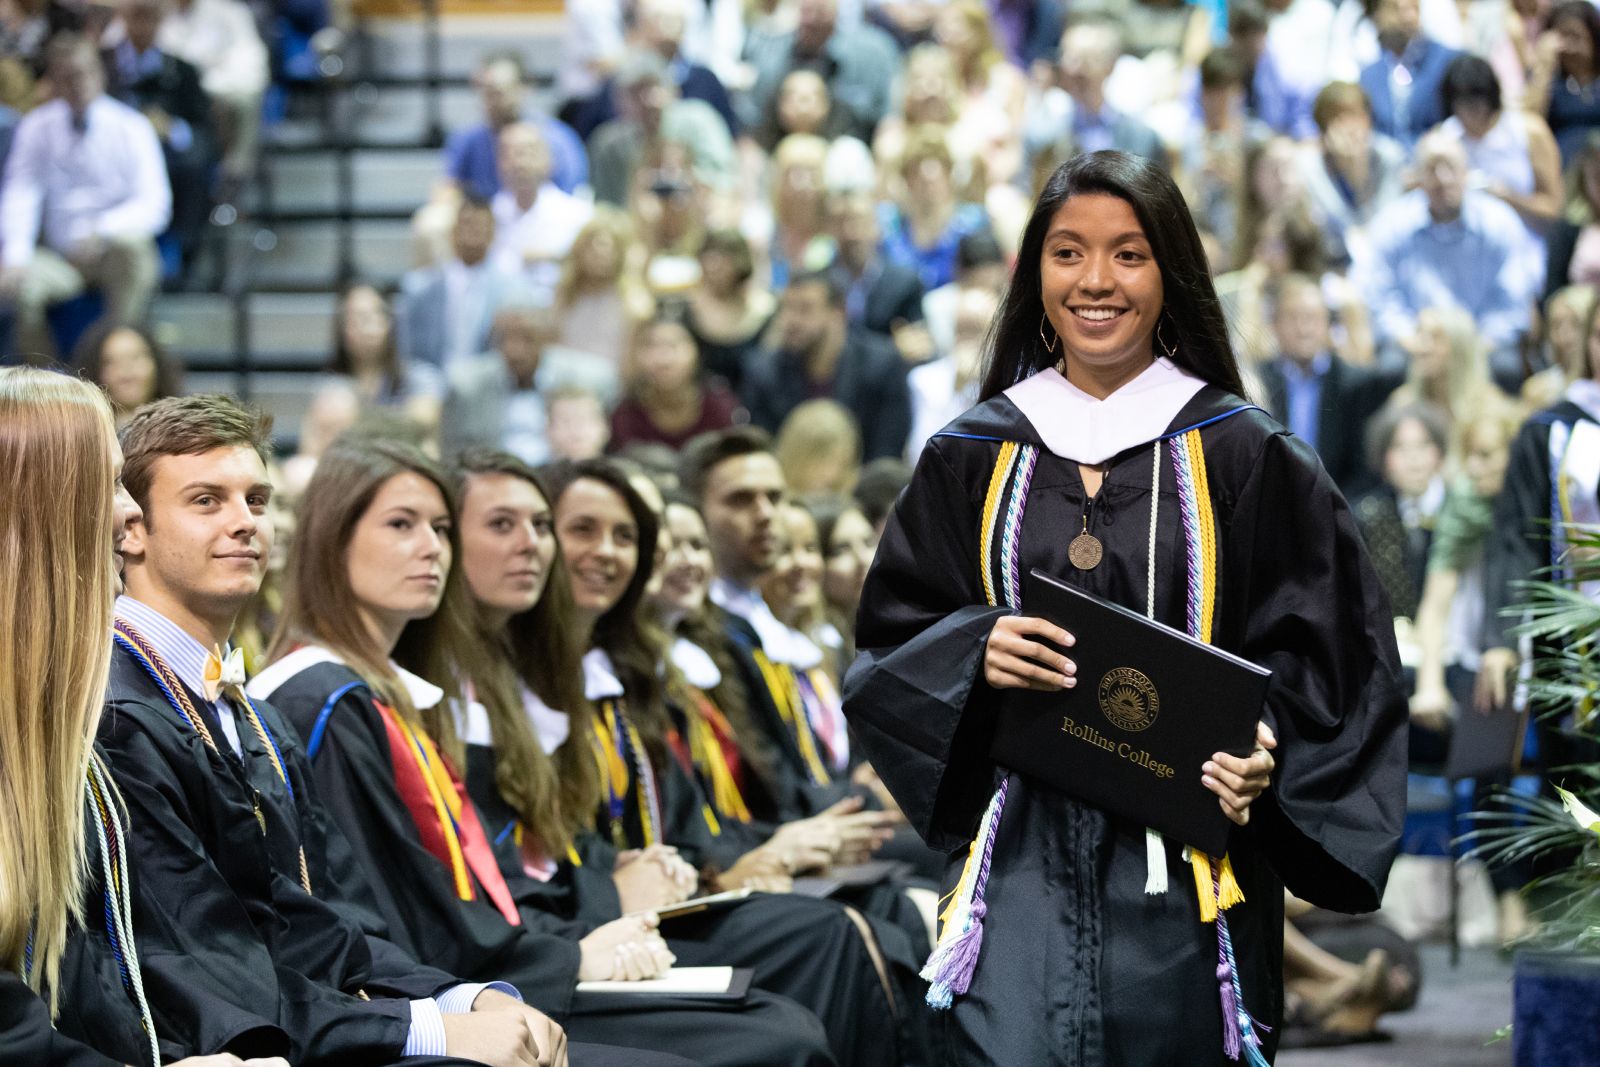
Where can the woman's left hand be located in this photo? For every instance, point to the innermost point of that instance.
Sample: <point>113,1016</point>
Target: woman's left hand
<point>1238,781</point>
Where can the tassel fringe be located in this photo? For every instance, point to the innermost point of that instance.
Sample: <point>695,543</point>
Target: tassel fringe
<point>1240,1032</point>
<point>1228,891</point>
<point>1155,863</point>
<point>950,968</point>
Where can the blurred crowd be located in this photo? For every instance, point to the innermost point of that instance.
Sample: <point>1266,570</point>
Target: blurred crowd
<point>801,214</point>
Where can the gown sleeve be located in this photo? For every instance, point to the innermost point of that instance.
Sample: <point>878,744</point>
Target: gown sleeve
<point>204,951</point>
<point>1517,546</point>
<point>410,887</point>
<point>1299,587</point>
<point>26,1033</point>
<point>921,630</point>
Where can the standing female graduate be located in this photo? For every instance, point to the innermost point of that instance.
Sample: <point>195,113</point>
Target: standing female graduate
<point>808,950</point>
<point>375,577</point>
<point>68,958</point>
<point>1111,417</point>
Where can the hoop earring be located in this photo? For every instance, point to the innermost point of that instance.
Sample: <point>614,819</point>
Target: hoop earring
<point>1170,350</point>
<point>1049,346</point>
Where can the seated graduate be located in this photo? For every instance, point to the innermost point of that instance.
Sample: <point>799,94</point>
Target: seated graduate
<point>71,972</point>
<point>812,951</point>
<point>1112,405</point>
<point>731,757</point>
<point>375,577</point>
<point>253,900</point>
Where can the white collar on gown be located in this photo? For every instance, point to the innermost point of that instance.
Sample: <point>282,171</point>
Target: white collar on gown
<point>1079,427</point>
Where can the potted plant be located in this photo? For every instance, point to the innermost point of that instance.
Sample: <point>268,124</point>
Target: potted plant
<point>1557,985</point>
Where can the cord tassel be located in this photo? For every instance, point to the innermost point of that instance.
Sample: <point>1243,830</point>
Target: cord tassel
<point>1204,887</point>
<point>950,968</point>
<point>1228,891</point>
<point>1155,863</point>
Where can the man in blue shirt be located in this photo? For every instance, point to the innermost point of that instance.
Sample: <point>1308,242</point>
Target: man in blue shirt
<point>1446,245</point>
<point>470,160</point>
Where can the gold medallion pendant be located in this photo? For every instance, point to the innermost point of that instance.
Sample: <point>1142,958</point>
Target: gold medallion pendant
<point>1085,552</point>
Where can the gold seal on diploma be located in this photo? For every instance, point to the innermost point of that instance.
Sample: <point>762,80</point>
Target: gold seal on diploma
<point>1129,699</point>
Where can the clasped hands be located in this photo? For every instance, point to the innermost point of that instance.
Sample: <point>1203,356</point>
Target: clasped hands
<point>1016,657</point>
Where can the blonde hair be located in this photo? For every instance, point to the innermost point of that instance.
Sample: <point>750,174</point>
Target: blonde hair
<point>57,585</point>
<point>1491,412</point>
<point>1466,373</point>
<point>819,448</point>
<point>611,221</point>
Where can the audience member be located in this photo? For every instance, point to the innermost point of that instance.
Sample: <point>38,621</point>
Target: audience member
<point>1352,172</point>
<point>1402,85</point>
<point>578,428</point>
<point>801,105</point>
<point>1564,75</point>
<point>1212,153</point>
<point>859,66</point>
<point>881,294</point>
<point>815,354</point>
<point>498,399</point>
<point>602,296</point>
<point>366,351</point>
<point>658,27</point>
<point>220,38</point>
<point>945,387</point>
<point>819,448</point>
<point>471,154</point>
<point>1318,396</point>
<point>1075,117</point>
<point>1407,445</point>
<point>926,219</point>
<point>1561,354</point>
<point>1511,153</point>
<point>727,312</point>
<point>84,196</point>
<point>1446,244</point>
<point>443,312</point>
<point>1449,365</point>
<point>128,363</point>
<point>797,208</point>
<point>1574,244</point>
<point>980,264</point>
<point>167,91</point>
<point>668,401</point>
<point>649,110</point>
<point>535,222</point>
<point>880,485</point>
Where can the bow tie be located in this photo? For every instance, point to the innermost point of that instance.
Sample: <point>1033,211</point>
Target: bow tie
<point>224,675</point>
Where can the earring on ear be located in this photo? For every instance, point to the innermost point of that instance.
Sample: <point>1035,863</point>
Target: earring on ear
<point>1049,346</point>
<point>1170,350</point>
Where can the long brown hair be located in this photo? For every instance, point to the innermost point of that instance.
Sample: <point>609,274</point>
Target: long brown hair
<point>319,604</point>
<point>637,647</point>
<point>554,798</point>
<point>57,585</point>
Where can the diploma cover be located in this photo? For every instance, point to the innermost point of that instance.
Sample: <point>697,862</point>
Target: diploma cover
<point>1151,706</point>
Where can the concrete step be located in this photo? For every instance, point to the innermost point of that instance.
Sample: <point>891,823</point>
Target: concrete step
<point>381,181</point>
<point>304,255</point>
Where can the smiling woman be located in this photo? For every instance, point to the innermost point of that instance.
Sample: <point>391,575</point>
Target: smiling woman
<point>1112,408</point>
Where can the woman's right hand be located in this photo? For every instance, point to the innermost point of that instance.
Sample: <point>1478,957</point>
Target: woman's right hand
<point>629,949</point>
<point>1014,658</point>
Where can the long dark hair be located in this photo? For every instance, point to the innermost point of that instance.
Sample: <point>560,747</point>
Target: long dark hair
<point>1015,347</point>
<point>554,798</point>
<point>319,604</point>
<point>637,648</point>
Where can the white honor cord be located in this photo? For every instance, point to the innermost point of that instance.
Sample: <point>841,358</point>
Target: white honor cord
<point>122,915</point>
<point>1155,849</point>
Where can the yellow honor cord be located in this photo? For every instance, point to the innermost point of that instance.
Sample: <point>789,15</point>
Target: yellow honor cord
<point>785,692</point>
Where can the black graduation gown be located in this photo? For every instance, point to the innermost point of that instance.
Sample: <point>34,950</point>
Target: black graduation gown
<point>1518,548</point>
<point>97,1022</point>
<point>1079,966</point>
<point>804,949</point>
<point>227,917</point>
<point>27,1037</point>
<point>417,897</point>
